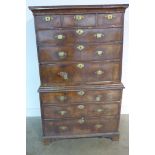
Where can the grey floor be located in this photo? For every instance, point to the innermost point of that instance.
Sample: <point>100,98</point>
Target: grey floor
<point>85,146</point>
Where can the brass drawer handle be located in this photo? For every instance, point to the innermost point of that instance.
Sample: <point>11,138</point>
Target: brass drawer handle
<point>99,110</point>
<point>98,98</point>
<point>109,17</point>
<point>78,17</point>
<point>63,127</point>
<point>80,65</point>
<point>62,98</point>
<point>62,112</point>
<point>64,75</point>
<point>99,35</point>
<point>62,54</point>
<point>99,53</point>
<point>60,37</point>
<point>99,72</point>
<point>79,31</point>
<point>98,126</point>
<point>80,47</point>
<point>48,18</point>
<point>81,107</point>
<point>81,121</point>
<point>81,93</point>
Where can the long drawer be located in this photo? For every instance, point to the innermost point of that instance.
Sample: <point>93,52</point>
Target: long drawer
<point>80,52</point>
<point>80,126</point>
<point>75,96</point>
<point>66,73</point>
<point>66,36</point>
<point>78,110</point>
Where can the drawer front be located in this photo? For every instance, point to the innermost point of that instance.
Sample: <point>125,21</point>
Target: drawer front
<point>110,20</point>
<point>47,21</point>
<point>79,72</point>
<point>79,20</point>
<point>80,126</point>
<point>67,97</point>
<point>79,35</point>
<point>75,111</point>
<point>80,52</point>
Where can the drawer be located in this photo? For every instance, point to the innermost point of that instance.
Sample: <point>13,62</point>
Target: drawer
<point>47,21</point>
<point>79,20</point>
<point>78,96</point>
<point>75,111</point>
<point>80,52</point>
<point>53,37</point>
<point>80,126</point>
<point>110,20</point>
<point>66,73</point>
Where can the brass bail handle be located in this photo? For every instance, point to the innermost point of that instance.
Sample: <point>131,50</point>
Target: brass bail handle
<point>60,37</point>
<point>99,35</point>
<point>64,75</point>
<point>81,120</point>
<point>62,54</point>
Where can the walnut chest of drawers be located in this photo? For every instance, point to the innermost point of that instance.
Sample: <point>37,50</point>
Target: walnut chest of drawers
<point>80,63</point>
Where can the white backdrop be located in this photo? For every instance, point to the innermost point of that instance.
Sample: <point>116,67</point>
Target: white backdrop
<point>32,79</point>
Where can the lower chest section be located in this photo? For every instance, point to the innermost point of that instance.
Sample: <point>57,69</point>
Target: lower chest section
<point>78,112</point>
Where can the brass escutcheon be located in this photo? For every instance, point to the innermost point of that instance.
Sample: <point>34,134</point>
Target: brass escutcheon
<point>81,93</point>
<point>80,65</point>
<point>81,106</point>
<point>78,17</point>
<point>79,31</point>
<point>110,16</point>
<point>48,18</point>
<point>80,47</point>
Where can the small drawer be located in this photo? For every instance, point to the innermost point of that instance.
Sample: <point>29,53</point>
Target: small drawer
<point>88,72</point>
<point>47,21</point>
<point>110,20</point>
<point>79,20</point>
<point>79,96</point>
<point>80,126</point>
<point>80,52</point>
<point>63,37</point>
<point>75,111</point>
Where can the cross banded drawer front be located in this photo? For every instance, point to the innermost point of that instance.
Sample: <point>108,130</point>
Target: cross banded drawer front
<point>75,96</point>
<point>110,20</point>
<point>78,72</point>
<point>80,65</point>
<point>80,110</point>
<point>47,21</point>
<point>54,37</point>
<point>79,20</point>
<point>81,126</point>
<point>89,52</point>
